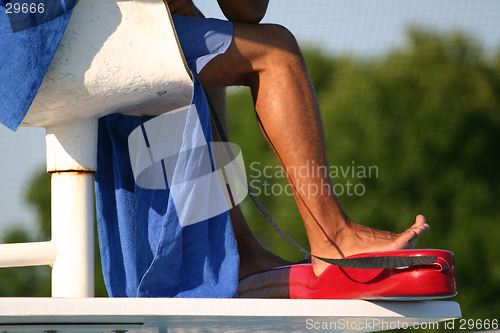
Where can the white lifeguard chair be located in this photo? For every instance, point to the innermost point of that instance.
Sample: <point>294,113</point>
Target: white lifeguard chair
<point>124,56</point>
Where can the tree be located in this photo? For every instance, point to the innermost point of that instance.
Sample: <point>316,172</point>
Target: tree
<point>35,281</point>
<point>23,281</point>
<point>426,119</point>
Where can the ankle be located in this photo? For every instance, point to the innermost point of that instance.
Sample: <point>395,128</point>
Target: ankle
<point>329,229</point>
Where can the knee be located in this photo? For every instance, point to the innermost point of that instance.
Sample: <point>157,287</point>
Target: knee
<point>282,37</point>
<point>265,48</point>
<point>282,40</point>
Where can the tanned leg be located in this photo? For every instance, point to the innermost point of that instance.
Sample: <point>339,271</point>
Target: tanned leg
<point>267,59</point>
<point>253,256</point>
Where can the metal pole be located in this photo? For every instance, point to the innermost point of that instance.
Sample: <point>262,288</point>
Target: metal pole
<point>71,160</point>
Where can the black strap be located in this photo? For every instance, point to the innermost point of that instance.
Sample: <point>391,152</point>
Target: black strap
<point>361,263</point>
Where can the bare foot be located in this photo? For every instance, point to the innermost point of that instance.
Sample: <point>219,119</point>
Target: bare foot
<point>356,238</point>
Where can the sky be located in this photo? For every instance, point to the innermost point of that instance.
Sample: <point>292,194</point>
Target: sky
<point>372,27</point>
<point>359,28</point>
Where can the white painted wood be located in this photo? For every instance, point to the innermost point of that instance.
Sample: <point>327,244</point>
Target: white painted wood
<point>27,254</point>
<point>213,315</point>
<point>73,233</point>
<point>115,56</point>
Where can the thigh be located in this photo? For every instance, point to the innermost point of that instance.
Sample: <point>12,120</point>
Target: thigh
<point>254,48</point>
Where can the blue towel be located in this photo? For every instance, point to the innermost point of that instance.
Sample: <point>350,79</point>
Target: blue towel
<point>146,249</point>
<point>28,42</point>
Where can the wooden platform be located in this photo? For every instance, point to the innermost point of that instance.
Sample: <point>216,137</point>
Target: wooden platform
<point>145,315</point>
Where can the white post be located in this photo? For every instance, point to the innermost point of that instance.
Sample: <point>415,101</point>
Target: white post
<point>72,161</point>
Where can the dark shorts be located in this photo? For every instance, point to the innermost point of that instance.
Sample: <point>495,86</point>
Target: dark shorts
<point>202,39</point>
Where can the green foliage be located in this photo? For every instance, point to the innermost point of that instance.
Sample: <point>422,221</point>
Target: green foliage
<point>23,281</point>
<point>35,281</point>
<point>257,155</point>
<point>39,197</point>
<point>427,117</point>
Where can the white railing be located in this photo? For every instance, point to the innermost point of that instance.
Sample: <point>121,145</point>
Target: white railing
<point>71,160</point>
<point>79,87</point>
